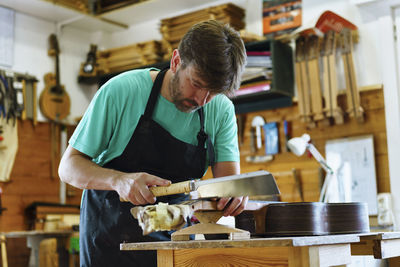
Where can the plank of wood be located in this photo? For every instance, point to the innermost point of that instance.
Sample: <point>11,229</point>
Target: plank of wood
<point>388,248</point>
<point>246,257</point>
<point>302,241</point>
<point>331,255</point>
<point>165,258</point>
<point>209,228</point>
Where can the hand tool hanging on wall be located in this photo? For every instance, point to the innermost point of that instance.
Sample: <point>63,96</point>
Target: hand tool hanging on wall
<point>257,123</point>
<point>312,44</point>
<point>328,51</point>
<point>287,130</point>
<point>352,93</point>
<point>301,90</point>
<point>1,206</point>
<point>304,81</point>
<point>10,97</point>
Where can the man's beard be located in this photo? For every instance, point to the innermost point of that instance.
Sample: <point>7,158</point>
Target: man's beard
<point>176,96</point>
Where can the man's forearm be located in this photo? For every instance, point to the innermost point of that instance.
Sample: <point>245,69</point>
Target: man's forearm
<point>78,170</point>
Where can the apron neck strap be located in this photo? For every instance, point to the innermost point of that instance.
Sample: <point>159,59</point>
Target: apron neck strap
<point>155,91</point>
<point>203,137</point>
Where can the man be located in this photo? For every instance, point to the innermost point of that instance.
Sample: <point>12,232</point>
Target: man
<point>150,128</point>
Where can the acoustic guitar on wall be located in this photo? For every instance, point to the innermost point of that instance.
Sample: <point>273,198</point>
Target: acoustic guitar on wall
<point>54,100</point>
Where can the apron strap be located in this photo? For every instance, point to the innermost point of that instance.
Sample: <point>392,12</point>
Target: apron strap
<point>202,137</point>
<point>155,91</point>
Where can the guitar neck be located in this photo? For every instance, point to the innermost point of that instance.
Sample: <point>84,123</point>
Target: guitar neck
<point>57,71</point>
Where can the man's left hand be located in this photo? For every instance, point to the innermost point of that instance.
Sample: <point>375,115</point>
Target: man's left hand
<point>232,206</point>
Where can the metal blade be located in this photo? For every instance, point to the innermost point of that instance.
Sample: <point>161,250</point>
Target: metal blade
<point>258,183</point>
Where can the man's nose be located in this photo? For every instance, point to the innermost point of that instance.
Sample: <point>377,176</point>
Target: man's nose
<point>201,97</point>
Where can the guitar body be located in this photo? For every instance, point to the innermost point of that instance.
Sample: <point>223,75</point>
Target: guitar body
<point>306,219</point>
<point>54,101</point>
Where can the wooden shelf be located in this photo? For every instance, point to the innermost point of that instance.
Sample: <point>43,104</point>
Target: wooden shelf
<point>102,79</point>
<point>282,82</point>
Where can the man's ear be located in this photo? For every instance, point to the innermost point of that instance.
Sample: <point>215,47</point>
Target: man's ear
<point>175,61</point>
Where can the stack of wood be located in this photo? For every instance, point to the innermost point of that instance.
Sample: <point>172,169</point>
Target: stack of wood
<point>129,57</point>
<point>79,5</point>
<point>173,29</point>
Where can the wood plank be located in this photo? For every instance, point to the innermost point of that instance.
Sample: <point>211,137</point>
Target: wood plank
<point>302,241</point>
<point>330,255</point>
<point>251,257</point>
<point>364,247</point>
<point>299,257</point>
<point>384,249</point>
<point>165,258</point>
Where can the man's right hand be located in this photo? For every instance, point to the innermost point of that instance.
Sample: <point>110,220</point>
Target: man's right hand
<point>134,187</point>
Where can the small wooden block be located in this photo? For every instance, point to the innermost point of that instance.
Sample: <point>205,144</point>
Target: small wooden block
<point>210,228</point>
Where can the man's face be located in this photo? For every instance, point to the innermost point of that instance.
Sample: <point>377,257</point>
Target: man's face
<point>188,91</point>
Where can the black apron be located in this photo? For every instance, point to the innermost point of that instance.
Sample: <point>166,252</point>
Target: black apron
<point>106,222</point>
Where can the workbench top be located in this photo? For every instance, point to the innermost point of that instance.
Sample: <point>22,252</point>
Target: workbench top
<point>300,241</point>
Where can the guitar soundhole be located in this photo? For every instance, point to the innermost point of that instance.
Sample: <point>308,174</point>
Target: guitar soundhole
<point>57,90</point>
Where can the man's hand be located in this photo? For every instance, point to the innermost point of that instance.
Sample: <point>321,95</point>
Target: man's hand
<point>232,206</point>
<point>134,187</point>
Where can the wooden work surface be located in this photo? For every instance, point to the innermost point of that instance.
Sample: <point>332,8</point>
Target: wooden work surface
<point>19,234</point>
<point>330,250</point>
<point>33,239</point>
<point>255,242</point>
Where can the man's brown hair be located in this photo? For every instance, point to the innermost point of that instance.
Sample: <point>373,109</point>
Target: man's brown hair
<point>217,52</point>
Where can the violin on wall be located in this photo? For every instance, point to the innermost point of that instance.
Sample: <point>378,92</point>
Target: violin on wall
<point>54,101</point>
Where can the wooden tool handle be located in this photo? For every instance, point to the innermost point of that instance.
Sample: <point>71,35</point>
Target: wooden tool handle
<point>177,188</point>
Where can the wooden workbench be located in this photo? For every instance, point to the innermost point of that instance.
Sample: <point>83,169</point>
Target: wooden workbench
<point>33,239</point>
<point>284,251</point>
<point>383,245</point>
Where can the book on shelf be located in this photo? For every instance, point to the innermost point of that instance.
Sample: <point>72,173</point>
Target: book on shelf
<point>252,88</point>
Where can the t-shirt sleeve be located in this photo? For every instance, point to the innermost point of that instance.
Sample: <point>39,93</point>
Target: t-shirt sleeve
<point>95,129</point>
<point>226,140</point>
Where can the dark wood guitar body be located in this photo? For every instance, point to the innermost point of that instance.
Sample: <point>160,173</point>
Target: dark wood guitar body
<point>305,219</point>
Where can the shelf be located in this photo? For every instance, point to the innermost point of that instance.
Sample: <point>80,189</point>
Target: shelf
<point>112,21</point>
<point>102,79</point>
<point>261,101</point>
<point>282,82</point>
<point>155,9</point>
<point>64,16</point>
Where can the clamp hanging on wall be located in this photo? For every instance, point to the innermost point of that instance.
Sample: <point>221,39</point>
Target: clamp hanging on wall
<point>1,207</point>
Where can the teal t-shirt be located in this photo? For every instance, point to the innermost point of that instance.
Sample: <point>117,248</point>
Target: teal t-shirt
<point>112,116</point>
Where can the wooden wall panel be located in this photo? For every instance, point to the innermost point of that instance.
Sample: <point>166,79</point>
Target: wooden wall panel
<point>30,178</point>
<point>283,163</point>
<point>375,124</point>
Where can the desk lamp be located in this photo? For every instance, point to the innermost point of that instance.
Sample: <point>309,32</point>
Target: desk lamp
<point>298,145</point>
